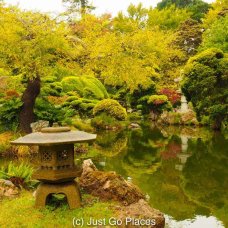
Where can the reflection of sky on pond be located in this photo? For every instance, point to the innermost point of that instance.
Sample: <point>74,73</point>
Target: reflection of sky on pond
<point>197,222</point>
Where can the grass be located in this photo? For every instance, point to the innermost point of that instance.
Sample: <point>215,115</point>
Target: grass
<point>20,212</point>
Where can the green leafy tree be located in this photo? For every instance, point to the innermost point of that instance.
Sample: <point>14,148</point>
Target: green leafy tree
<point>189,36</point>
<point>75,7</point>
<point>32,45</point>
<point>205,85</point>
<point>135,19</point>
<point>216,35</point>
<point>218,9</point>
<point>167,18</point>
<point>198,8</point>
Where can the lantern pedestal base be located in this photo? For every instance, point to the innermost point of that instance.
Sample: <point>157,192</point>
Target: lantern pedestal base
<point>69,189</point>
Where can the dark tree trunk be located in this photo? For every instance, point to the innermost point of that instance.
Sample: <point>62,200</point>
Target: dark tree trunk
<point>26,115</point>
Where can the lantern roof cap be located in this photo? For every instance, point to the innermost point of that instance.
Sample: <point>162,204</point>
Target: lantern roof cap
<point>54,136</point>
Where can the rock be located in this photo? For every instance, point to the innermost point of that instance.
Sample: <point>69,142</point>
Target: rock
<point>108,185</point>
<point>134,125</point>
<point>88,167</point>
<point>8,189</point>
<point>11,192</point>
<point>2,181</point>
<point>2,190</point>
<point>34,194</point>
<point>178,118</point>
<point>9,183</point>
<point>189,118</point>
<point>140,214</point>
<point>171,118</point>
<point>37,126</point>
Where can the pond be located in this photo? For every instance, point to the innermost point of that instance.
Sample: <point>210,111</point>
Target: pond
<point>183,171</point>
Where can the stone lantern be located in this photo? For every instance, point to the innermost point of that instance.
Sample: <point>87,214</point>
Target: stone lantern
<point>57,171</point>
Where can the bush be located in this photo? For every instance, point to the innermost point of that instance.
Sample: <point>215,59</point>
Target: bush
<point>159,103</point>
<point>205,120</point>
<point>205,85</point>
<point>111,108</point>
<point>105,122</point>
<point>52,89</point>
<point>44,110</point>
<point>173,96</point>
<point>81,124</point>
<point>83,106</point>
<point>9,112</point>
<point>85,86</point>
<point>134,116</point>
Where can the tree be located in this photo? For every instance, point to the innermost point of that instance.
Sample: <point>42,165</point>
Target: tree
<point>77,6</point>
<point>133,59</point>
<point>198,8</point>
<point>205,85</point>
<point>189,36</point>
<point>168,18</point>
<point>32,45</point>
<point>135,19</point>
<point>218,9</point>
<point>216,35</point>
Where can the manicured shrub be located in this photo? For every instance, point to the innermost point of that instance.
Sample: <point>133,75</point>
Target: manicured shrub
<point>9,112</point>
<point>52,89</point>
<point>83,106</point>
<point>44,110</point>
<point>134,116</point>
<point>173,96</point>
<point>205,85</point>
<point>49,79</point>
<point>81,124</point>
<point>85,86</point>
<point>159,103</point>
<point>104,121</point>
<point>111,108</point>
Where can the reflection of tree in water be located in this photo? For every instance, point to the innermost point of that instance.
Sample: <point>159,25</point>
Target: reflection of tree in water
<point>173,149</point>
<point>157,176</point>
<point>143,152</point>
<point>205,175</point>
<point>165,192</point>
<point>111,143</point>
<point>200,189</point>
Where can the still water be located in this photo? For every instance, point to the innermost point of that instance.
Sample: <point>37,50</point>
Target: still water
<point>183,171</point>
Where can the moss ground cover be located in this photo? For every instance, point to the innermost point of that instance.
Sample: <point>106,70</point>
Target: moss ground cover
<point>20,212</point>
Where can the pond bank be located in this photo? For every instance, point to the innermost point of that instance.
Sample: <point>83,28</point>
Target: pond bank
<point>120,204</point>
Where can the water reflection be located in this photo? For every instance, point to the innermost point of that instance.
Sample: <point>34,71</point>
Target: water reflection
<point>183,171</point>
